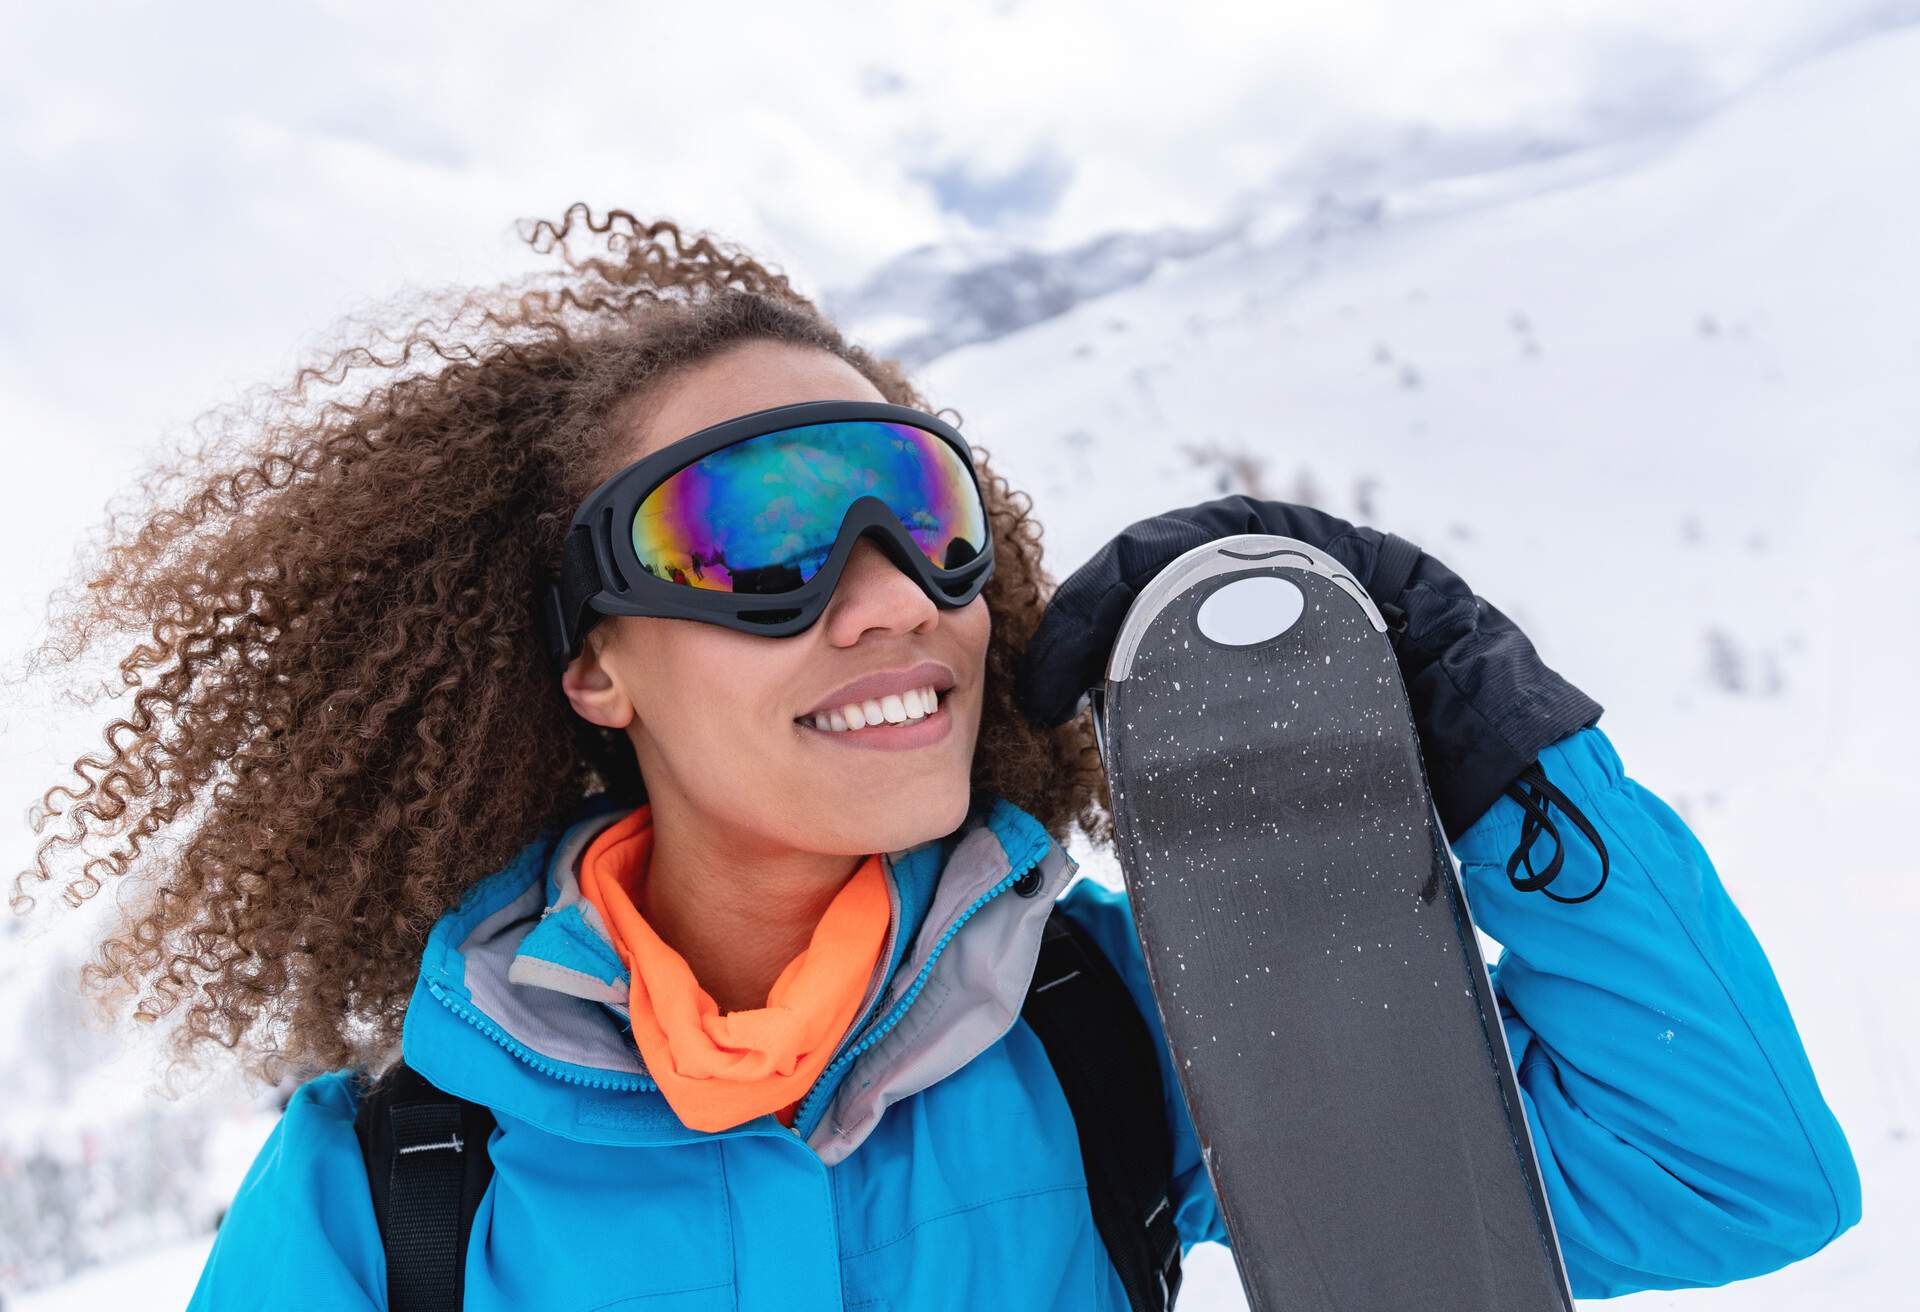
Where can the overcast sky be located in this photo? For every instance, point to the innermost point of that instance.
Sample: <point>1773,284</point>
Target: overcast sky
<point>191,195</point>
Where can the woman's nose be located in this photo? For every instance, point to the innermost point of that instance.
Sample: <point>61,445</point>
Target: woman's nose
<point>880,591</point>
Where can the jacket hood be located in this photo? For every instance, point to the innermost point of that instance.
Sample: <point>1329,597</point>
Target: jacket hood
<point>521,1002</point>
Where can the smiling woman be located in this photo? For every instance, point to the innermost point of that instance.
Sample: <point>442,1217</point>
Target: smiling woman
<point>462,782</point>
<point>342,718</point>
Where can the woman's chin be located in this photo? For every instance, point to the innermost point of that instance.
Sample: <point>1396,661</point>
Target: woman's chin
<point>902,814</point>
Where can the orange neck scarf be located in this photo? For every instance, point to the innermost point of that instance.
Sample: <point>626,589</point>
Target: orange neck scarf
<point>717,1071</point>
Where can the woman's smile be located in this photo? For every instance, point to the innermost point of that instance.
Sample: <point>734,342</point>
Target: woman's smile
<point>919,728</point>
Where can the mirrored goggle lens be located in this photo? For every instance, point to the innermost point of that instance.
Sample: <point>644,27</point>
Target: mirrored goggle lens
<point>760,516</point>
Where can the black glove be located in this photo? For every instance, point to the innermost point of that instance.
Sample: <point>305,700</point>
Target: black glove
<point>1484,702</point>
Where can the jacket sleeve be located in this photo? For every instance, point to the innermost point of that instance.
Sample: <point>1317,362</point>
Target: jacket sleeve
<point>300,1232</point>
<point>1681,1133</point>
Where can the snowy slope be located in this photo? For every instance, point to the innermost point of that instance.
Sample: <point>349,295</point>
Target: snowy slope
<point>1660,400</point>
<point>1665,412</point>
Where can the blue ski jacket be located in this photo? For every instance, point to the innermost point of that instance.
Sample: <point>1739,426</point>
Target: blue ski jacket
<point>1681,1133</point>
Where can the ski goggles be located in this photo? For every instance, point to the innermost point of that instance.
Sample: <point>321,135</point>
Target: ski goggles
<point>748,524</point>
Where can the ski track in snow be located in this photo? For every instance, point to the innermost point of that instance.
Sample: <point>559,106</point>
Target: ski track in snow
<point>1664,416</point>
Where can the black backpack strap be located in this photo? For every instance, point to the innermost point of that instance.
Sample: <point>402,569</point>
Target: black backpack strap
<point>1103,1055</point>
<point>427,1166</point>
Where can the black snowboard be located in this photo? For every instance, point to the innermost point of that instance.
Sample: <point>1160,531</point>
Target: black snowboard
<point>1324,998</point>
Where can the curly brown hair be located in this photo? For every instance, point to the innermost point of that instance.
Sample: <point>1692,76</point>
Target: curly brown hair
<point>341,694</point>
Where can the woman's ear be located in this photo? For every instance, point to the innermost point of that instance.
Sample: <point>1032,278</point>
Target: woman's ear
<point>589,682</point>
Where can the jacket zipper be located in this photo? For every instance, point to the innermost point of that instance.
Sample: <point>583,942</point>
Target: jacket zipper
<point>882,1027</point>
<point>480,1021</point>
<point>878,984</point>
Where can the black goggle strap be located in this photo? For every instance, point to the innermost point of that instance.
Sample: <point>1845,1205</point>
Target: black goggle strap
<point>562,603</point>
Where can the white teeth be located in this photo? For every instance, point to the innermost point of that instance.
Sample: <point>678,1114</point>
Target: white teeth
<point>894,708</point>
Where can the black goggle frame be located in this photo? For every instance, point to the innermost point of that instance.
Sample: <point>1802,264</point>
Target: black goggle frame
<point>601,575</point>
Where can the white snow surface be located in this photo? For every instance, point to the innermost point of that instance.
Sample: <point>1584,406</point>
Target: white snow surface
<point>1658,400</point>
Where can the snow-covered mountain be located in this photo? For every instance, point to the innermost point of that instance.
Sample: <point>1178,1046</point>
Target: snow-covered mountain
<point>1658,396</point>
<point>936,298</point>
